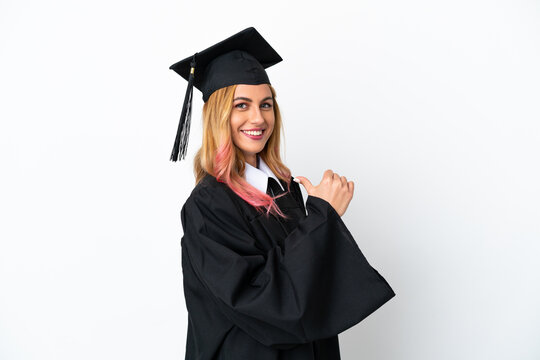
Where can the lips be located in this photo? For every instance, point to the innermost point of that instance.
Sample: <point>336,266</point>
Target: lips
<point>254,137</point>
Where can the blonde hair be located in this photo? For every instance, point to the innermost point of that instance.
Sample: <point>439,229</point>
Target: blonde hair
<point>219,157</point>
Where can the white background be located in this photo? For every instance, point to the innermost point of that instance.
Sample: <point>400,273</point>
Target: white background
<point>431,107</point>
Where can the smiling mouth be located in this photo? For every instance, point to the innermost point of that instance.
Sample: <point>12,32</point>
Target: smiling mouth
<point>253,133</point>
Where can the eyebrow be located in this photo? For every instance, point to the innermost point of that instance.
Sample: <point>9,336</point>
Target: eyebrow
<point>248,99</point>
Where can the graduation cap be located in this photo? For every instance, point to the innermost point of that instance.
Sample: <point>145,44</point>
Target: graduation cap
<point>239,59</point>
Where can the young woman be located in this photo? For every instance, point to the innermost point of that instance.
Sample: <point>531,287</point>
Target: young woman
<point>262,279</point>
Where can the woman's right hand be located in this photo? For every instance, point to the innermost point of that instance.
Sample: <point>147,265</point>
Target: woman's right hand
<point>334,189</point>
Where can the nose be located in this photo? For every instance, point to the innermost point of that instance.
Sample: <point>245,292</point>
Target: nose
<point>257,117</point>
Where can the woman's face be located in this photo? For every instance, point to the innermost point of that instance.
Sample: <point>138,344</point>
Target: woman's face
<point>253,111</point>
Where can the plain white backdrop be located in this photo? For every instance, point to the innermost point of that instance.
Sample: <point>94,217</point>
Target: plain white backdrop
<point>431,107</point>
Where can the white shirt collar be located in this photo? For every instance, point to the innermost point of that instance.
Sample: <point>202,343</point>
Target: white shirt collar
<point>258,177</point>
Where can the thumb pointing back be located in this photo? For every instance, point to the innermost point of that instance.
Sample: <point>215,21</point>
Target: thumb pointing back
<point>304,182</point>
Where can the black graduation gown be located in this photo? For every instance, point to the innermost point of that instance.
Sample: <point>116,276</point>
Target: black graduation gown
<point>259,288</point>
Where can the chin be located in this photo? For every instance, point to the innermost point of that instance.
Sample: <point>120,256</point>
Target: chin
<point>252,151</point>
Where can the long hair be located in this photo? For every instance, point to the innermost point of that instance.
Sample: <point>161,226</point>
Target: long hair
<point>221,158</point>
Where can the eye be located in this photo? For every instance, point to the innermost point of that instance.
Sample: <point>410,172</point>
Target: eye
<point>240,106</point>
<point>266,106</point>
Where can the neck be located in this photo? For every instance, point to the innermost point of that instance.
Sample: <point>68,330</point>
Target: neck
<point>251,159</point>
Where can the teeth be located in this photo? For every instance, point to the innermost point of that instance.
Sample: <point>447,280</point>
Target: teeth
<point>255,133</point>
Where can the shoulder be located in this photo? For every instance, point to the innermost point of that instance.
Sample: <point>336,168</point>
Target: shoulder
<point>209,188</point>
<point>212,200</point>
<point>212,215</point>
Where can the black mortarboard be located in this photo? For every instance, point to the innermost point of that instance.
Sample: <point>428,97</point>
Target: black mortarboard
<point>239,59</point>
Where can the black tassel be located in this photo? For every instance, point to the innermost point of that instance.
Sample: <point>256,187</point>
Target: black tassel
<point>182,134</point>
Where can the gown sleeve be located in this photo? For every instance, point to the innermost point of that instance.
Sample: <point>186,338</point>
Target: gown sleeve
<point>317,286</point>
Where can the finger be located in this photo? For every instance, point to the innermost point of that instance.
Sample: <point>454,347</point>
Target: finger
<point>351,186</point>
<point>304,182</point>
<point>344,182</point>
<point>336,180</point>
<point>328,175</point>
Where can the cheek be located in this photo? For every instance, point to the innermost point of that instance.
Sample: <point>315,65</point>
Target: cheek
<point>270,118</point>
<point>234,123</point>
<point>271,122</point>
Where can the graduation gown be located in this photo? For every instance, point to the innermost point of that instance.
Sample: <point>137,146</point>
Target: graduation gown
<point>265,288</point>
